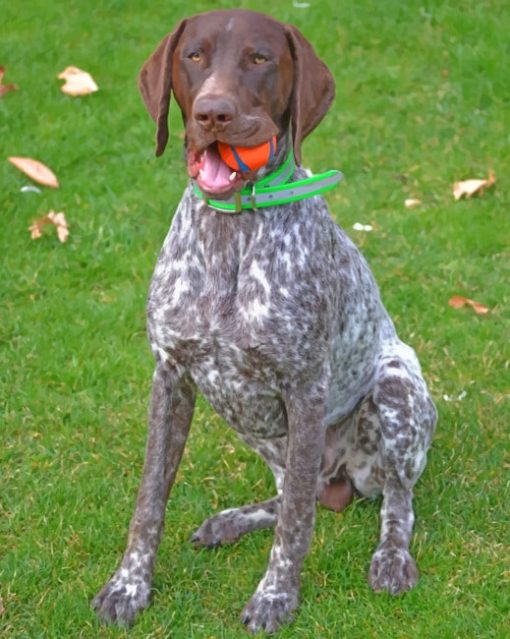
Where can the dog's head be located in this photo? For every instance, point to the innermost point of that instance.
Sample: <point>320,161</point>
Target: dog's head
<point>239,77</point>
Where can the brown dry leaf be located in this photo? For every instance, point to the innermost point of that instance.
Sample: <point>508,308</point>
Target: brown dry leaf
<point>36,170</point>
<point>458,301</point>
<point>2,609</point>
<point>77,82</point>
<point>57,219</point>
<point>469,188</point>
<point>411,202</point>
<point>5,88</point>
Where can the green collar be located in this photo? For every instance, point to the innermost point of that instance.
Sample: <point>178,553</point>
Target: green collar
<point>274,189</point>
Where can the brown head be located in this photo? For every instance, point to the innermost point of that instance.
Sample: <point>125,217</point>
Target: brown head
<point>239,77</point>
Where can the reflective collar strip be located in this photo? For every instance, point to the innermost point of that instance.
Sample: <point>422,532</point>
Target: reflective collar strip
<point>275,189</point>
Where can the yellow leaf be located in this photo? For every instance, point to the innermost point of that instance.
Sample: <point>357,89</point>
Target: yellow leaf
<point>57,219</point>
<point>36,170</point>
<point>77,82</point>
<point>458,301</point>
<point>411,202</point>
<point>469,188</point>
<point>5,88</point>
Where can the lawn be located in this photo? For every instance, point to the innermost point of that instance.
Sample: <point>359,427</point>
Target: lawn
<point>422,100</point>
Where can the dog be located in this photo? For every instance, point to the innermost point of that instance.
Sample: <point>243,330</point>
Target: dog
<point>271,312</point>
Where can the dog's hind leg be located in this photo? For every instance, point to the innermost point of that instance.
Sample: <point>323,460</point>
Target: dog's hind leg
<point>407,419</point>
<point>171,410</point>
<point>228,525</point>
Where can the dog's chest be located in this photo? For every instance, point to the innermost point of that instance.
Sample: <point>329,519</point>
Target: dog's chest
<point>244,305</point>
<point>218,310</point>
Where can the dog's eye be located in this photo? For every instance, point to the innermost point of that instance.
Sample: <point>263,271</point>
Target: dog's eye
<point>196,56</point>
<point>259,58</point>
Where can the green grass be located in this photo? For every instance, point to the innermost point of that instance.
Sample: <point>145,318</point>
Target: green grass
<point>422,100</point>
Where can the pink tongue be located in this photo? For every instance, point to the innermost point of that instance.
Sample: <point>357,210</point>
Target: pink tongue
<point>214,174</point>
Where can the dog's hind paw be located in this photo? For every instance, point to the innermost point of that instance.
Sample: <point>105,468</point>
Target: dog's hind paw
<point>267,612</point>
<point>215,531</point>
<point>392,570</point>
<point>120,600</point>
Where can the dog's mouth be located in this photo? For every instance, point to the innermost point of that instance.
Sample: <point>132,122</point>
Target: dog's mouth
<point>211,173</point>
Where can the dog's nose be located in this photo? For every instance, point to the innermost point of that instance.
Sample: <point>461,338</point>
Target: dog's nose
<point>214,113</point>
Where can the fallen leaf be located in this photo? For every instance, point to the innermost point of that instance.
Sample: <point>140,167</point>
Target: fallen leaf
<point>458,398</point>
<point>77,82</point>
<point>5,88</point>
<point>2,609</point>
<point>362,227</point>
<point>458,301</point>
<point>57,219</point>
<point>411,202</point>
<point>469,188</point>
<point>30,188</point>
<point>36,170</point>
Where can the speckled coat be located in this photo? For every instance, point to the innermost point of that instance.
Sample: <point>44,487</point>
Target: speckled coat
<point>275,317</point>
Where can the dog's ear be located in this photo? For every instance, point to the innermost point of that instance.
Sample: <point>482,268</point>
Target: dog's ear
<point>155,83</point>
<point>313,91</point>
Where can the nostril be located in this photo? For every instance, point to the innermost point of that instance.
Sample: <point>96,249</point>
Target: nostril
<point>213,112</point>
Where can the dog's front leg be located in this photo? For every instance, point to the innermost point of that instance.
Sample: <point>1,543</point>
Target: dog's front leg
<point>170,413</point>
<point>277,594</point>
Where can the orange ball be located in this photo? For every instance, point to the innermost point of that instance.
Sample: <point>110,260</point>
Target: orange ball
<point>247,158</point>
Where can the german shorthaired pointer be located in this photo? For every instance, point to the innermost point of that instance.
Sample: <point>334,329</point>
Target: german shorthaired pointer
<point>273,314</point>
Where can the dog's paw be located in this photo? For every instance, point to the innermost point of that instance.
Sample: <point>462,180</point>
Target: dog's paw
<point>267,612</point>
<point>215,531</point>
<point>120,600</point>
<point>392,570</point>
